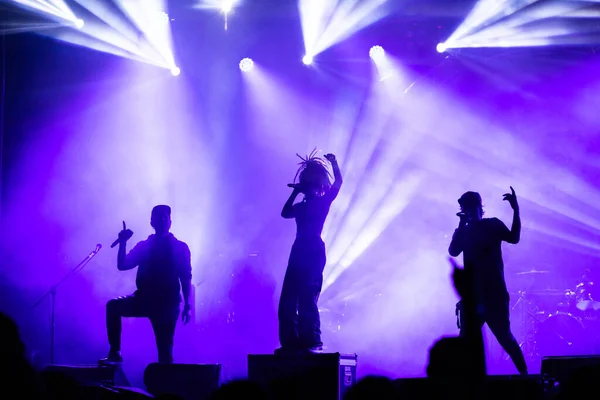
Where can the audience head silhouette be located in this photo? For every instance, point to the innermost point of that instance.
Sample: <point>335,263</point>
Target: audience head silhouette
<point>372,387</point>
<point>240,389</point>
<point>10,339</point>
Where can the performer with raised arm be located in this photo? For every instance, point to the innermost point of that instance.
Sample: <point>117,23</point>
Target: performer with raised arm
<point>480,240</point>
<point>164,269</point>
<point>299,321</point>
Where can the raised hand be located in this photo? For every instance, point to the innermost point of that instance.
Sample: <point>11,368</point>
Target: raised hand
<point>330,157</point>
<point>511,198</point>
<point>125,234</point>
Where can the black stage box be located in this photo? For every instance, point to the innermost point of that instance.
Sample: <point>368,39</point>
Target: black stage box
<point>190,381</point>
<point>560,369</point>
<point>324,376</point>
<point>496,387</point>
<point>571,376</point>
<point>92,374</point>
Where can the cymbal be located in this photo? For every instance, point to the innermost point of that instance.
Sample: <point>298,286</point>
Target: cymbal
<point>547,291</point>
<point>588,305</point>
<point>532,272</point>
<point>541,292</point>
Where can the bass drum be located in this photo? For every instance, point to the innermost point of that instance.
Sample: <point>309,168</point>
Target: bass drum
<point>561,334</point>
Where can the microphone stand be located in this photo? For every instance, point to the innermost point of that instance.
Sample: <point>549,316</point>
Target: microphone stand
<point>52,294</point>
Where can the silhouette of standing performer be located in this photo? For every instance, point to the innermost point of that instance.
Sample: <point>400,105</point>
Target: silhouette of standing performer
<point>164,268</point>
<point>299,321</point>
<point>480,240</point>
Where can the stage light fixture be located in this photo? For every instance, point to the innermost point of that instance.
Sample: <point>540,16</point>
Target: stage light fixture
<point>164,17</point>
<point>79,23</point>
<point>441,47</point>
<point>226,6</point>
<point>175,71</point>
<point>307,59</point>
<point>376,53</point>
<point>246,64</point>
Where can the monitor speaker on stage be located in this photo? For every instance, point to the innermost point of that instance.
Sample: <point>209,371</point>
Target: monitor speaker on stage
<point>190,381</point>
<point>326,376</point>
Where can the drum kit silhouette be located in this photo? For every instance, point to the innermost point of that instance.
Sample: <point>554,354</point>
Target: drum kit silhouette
<point>559,322</point>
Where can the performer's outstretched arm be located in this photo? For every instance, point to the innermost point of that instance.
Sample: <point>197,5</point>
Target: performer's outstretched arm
<point>337,177</point>
<point>337,173</point>
<point>288,207</point>
<point>456,245</point>
<point>515,229</point>
<point>514,234</point>
<point>125,261</point>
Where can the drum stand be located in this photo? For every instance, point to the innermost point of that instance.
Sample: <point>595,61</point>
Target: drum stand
<point>529,323</point>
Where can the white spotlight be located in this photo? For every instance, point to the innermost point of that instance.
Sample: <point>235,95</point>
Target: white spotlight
<point>246,64</point>
<point>164,17</point>
<point>376,53</point>
<point>79,23</point>
<point>226,6</point>
<point>307,59</point>
<point>175,71</point>
<point>441,47</point>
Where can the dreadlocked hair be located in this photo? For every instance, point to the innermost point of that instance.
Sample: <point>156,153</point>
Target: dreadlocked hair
<point>313,173</point>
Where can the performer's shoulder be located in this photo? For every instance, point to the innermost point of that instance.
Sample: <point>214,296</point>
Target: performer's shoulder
<point>144,242</point>
<point>496,224</point>
<point>493,220</point>
<point>181,244</point>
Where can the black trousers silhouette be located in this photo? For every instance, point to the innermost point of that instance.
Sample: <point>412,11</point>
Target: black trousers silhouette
<point>299,320</point>
<point>163,318</point>
<point>497,315</point>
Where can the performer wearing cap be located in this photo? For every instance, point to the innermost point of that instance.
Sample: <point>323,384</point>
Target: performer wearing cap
<point>480,240</point>
<point>164,270</point>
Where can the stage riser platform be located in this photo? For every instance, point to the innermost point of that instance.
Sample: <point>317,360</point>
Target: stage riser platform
<point>325,376</point>
<point>190,381</point>
<point>92,374</point>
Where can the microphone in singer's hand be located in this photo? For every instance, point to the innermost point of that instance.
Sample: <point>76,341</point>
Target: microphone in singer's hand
<point>124,236</point>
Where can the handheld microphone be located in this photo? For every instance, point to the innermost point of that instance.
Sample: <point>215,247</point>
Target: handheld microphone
<point>116,242</point>
<point>128,234</point>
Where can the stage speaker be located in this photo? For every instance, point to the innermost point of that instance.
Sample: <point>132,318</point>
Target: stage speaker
<point>190,381</point>
<point>92,374</point>
<point>560,370</point>
<point>312,376</point>
<point>114,393</point>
